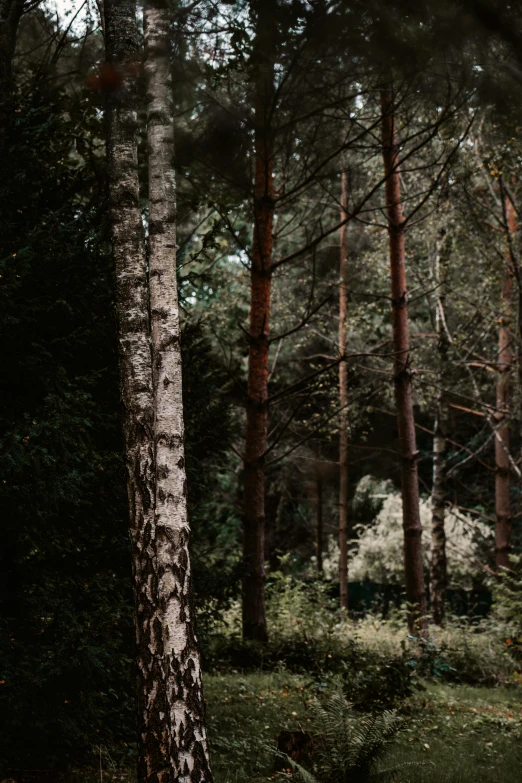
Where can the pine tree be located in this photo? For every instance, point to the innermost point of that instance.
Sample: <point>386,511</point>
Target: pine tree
<point>254,619</point>
<point>343,402</point>
<point>502,424</point>
<point>415,592</point>
<point>438,567</point>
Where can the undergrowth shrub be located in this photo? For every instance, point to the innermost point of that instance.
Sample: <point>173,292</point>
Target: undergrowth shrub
<point>469,653</point>
<point>507,608</point>
<point>379,664</point>
<point>347,747</point>
<point>304,624</point>
<point>376,682</point>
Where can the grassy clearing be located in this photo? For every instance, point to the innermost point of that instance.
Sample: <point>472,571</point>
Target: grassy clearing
<point>463,732</point>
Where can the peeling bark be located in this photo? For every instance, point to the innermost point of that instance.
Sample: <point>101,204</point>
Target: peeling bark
<point>438,568</point>
<point>343,404</point>
<point>503,441</point>
<point>174,740</point>
<point>132,307</point>
<point>415,592</point>
<point>254,619</point>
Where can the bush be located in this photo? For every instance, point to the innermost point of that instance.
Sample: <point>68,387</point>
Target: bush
<point>507,608</point>
<point>374,682</point>
<point>378,552</point>
<point>348,748</point>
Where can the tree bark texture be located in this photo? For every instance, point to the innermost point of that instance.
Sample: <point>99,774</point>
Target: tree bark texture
<point>132,306</point>
<point>438,569</point>
<point>343,404</point>
<point>503,440</point>
<point>415,592</point>
<point>174,740</point>
<point>254,619</point>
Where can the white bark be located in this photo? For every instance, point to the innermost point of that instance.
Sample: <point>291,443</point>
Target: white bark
<point>131,276</point>
<point>184,739</point>
<point>132,306</point>
<point>172,744</point>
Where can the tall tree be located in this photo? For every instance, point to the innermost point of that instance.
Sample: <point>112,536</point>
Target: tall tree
<point>438,567</point>
<point>502,440</point>
<point>254,618</point>
<point>177,716</point>
<point>415,592</point>
<point>343,402</point>
<point>132,306</point>
<point>172,738</point>
<point>319,523</point>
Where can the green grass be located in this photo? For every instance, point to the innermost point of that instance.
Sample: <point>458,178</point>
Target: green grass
<point>466,734</point>
<point>245,716</point>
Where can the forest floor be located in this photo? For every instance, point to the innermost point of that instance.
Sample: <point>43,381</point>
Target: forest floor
<point>463,734</point>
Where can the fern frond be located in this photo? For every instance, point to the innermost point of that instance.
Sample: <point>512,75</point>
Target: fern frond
<point>350,746</point>
<point>303,773</point>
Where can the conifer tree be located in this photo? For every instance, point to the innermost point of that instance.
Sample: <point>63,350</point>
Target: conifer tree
<point>343,402</point>
<point>438,567</point>
<point>414,577</point>
<point>254,619</point>
<point>502,417</point>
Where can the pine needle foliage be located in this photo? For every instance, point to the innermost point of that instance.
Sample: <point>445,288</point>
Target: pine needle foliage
<point>350,748</point>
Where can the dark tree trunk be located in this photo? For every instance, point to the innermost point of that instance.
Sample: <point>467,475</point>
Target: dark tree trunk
<point>343,404</point>
<point>414,577</point>
<point>503,435</point>
<point>10,15</point>
<point>438,570</point>
<point>319,524</point>
<point>254,619</point>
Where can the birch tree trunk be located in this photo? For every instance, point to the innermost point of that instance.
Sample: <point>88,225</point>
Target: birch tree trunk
<point>174,740</point>
<point>415,592</point>
<point>343,404</point>
<point>503,439</point>
<point>438,569</point>
<point>254,619</point>
<point>132,306</point>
